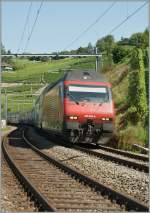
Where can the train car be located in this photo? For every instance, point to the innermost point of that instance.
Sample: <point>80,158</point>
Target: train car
<point>13,118</point>
<point>79,106</point>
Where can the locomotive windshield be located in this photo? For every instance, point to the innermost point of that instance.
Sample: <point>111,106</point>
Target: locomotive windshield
<point>88,93</point>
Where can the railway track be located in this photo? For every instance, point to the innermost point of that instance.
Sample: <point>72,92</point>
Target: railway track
<point>13,197</point>
<point>141,157</point>
<point>117,158</point>
<point>57,187</point>
<point>138,162</point>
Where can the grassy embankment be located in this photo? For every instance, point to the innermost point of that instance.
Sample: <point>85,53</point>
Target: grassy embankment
<point>126,133</point>
<point>33,76</point>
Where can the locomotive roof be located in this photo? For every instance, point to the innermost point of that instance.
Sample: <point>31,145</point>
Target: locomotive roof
<point>84,75</point>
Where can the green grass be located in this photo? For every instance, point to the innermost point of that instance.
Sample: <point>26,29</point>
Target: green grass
<point>22,89</point>
<point>7,128</point>
<point>133,135</point>
<point>33,72</point>
<point>35,75</point>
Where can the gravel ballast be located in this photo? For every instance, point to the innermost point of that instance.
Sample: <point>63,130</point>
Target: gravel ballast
<point>13,198</point>
<point>118,177</point>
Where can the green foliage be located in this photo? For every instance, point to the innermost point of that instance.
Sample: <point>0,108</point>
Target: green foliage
<point>140,39</point>
<point>133,134</point>
<point>134,62</point>
<point>34,72</point>
<point>84,63</point>
<point>147,82</point>
<point>106,63</point>
<point>119,53</point>
<point>146,57</point>
<point>106,44</point>
<point>82,50</point>
<point>90,49</point>
<point>142,104</point>
<point>146,38</point>
<point>137,89</point>
<point>3,51</point>
<point>28,71</point>
<point>39,58</point>
<point>123,41</point>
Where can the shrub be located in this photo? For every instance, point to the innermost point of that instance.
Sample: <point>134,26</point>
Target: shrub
<point>137,88</point>
<point>119,53</point>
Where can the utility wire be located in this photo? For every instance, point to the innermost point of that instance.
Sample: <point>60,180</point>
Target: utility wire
<point>36,18</point>
<point>25,25</point>
<point>90,26</point>
<point>129,16</point>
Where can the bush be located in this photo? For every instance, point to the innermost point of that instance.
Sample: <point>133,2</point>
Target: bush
<point>137,88</point>
<point>134,61</point>
<point>131,135</point>
<point>119,53</point>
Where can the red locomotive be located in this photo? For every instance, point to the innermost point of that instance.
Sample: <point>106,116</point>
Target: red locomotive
<point>79,106</point>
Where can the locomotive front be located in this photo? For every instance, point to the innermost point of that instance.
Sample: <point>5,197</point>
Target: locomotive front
<point>89,110</point>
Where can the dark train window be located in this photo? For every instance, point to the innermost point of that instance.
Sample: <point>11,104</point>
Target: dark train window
<point>99,94</point>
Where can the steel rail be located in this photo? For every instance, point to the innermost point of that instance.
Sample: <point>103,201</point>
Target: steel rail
<point>121,199</point>
<point>129,163</point>
<point>125,153</point>
<point>40,201</point>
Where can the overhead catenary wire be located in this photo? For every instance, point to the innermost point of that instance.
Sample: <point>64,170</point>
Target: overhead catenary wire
<point>91,25</point>
<point>25,26</point>
<point>127,18</point>
<point>36,18</point>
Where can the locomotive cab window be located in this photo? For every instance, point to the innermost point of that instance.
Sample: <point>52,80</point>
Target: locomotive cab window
<point>98,94</point>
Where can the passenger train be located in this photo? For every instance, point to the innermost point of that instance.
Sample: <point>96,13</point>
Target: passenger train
<point>79,106</point>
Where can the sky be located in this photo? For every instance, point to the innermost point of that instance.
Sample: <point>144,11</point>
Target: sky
<point>59,23</point>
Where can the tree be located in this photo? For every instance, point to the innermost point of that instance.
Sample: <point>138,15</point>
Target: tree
<point>119,53</point>
<point>106,44</point>
<point>109,43</point>
<point>100,44</point>
<point>123,41</point>
<point>82,50</point>
<point>9,52</point>
<point>3,51</point>
<point>140,39</point>
<point>90,48</point>
<point>146,38</point>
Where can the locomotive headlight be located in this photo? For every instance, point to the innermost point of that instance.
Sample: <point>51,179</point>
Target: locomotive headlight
<point>73,117</point>
<point>106,119</point>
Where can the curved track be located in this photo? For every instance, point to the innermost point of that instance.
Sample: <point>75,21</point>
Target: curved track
<point>141,157</point>
<point>138,162</point>
<point>130,162</point>
<point>57,187</point>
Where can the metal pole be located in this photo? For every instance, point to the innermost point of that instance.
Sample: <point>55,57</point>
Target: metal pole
<point>6,106</point>
<point>18,107</point>
<point>31,89</point>
<point>96,60</point>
